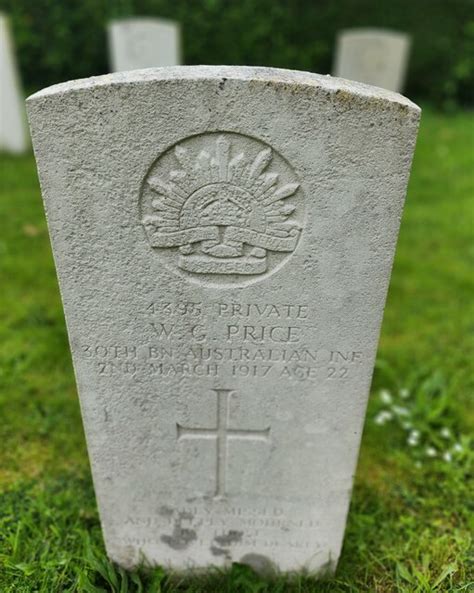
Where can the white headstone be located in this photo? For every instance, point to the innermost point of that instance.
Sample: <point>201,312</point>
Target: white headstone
<point>144,43</point>
<point>224,238</point>
<point>13,129</point>
<point>373,56</point>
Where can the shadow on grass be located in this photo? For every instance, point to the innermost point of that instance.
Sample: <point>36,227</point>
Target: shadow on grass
<point>51,542</point>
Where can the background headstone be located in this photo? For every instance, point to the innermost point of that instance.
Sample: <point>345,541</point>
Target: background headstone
<point>224,238</point>
<point>144,43</point>
<point>373,56</point>
<point>13,129</point>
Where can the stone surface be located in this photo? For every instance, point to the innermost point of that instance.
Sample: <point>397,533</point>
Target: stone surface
<point>13,129</point>
<point>223,238</point>
<point>373,56</point>
<point>143,43</point>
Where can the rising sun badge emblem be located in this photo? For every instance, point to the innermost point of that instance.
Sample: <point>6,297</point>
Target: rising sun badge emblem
<point>222,206</point>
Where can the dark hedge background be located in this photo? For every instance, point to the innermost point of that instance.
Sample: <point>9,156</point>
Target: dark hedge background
<point>59,40</point>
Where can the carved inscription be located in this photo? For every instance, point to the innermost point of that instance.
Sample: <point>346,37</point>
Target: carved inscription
<point>225,205</point>
<point>222,339</point>
<point>219,434</point>
<point>239,527</point>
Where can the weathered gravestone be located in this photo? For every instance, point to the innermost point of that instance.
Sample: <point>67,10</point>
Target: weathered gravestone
<point>373,56</point>
<point>13,129</point>
<point>223,238</point>
<point>143,43</point>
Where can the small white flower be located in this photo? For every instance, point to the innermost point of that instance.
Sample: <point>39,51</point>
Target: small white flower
<point>385,396</point>
<point>400,411</point>
<point>431,452</point>
<point>404,393</point>
<point>445,432</point>
<point>383,417</point>
<point>458,448</point>
<point>413,438</point>
<point>407,425</point>
<point>447,456</point>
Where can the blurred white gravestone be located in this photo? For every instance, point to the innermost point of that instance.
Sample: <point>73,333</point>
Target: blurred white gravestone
<point>224,238</point>
<point>13,129</point>
<point>373,56</point>
<point>143,43</point>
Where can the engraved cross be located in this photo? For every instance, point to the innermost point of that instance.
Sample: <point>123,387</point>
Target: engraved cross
<point>220,434</point>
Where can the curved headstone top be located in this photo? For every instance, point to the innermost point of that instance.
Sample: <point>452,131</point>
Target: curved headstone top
<point>223,238</point>
<point>373,56</point>
<point>278,76</point>
<point>143,42</point>
<point>363,32</point>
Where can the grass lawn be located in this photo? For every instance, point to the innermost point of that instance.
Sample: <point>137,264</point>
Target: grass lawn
<point>411,522</point>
